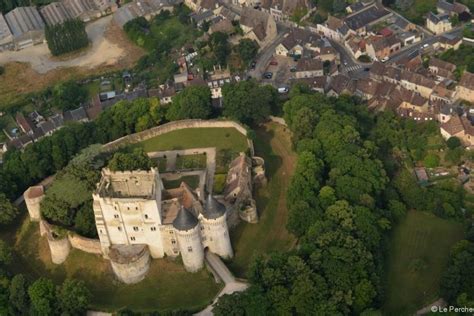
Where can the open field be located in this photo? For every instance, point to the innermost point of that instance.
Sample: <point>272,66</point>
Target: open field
<point>167,286</point>
<point>419,251</point>
<point>270,234</point>
<point>33,69</point>
<point>221,138</point>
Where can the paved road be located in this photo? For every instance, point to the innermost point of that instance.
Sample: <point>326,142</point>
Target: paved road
<point>231,284</point>
<point>264,56</point>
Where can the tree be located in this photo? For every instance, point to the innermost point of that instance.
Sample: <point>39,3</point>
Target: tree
<point>220,47</point>
<point>5,254</point>
<point>84,222</point>
<point>66,37</point>
<point>18,298</point>
<point>247,50</point>
<point>43,298</point>
<point>247,102</point>
<point>127,161</point>
<point>453,142</point>
<point>431,161</point>
<point>68,95</point>
<point>74,297</point>
<point>192,103</point>
<point>8,211</point>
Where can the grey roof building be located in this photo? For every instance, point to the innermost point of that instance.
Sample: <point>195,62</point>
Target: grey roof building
<point>55,13</point>
<point>26,25</point>
<point>85,10</point>
<point>6,36</point>
<point>214,209</point>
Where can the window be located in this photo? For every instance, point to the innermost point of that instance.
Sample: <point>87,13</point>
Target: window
<point>153,229</point>
<point>135,228</point>
<point>119,228</point>
<point>173,241</point>
<point>100,231</point>
<point>128,208</point>
<point>146,216</point>
<point>116,216</point>
<point>132,238</point>
<point>136,208</point>
<point>190,249</point>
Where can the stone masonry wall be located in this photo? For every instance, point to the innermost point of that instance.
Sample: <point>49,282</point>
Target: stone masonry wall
<point>173,126</point>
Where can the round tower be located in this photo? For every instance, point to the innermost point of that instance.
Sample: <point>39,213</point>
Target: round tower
<point>130,263</point>
<point>33,197</point>
<point>189,240</point>
<point>214,223</point>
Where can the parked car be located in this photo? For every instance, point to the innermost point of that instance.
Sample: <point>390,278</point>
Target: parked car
<point>293,69</point>
<point>268,75</point>
<point>274,63</point>
<point>253,65</point>
<point>283,90</point>
<point>385,59</point>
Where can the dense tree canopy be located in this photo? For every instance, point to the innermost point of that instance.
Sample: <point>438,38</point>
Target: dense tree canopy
<point>247,101</point>
<point>8,211</point>
<point>192,103</point>
<point>247,50</point>
<point>66,37</point>
<point>68,95</point>
<point>136,159</point>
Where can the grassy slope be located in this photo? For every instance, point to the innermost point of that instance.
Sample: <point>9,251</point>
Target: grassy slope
<point>273,144</point>
<point>167,285</point>
<point>421,237</point>
<point>221,138</point>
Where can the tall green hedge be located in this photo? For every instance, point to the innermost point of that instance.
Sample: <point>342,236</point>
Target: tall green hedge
<point>66,37</point>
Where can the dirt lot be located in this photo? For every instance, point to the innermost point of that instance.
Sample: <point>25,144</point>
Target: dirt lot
<point>34,68</point>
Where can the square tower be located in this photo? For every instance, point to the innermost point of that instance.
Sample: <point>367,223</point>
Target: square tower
<point>127,209</point>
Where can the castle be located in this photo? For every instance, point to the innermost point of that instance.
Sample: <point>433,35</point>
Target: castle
<point>132,209</point>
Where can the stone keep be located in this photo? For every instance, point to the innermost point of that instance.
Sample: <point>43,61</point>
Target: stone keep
<point>127,210</point>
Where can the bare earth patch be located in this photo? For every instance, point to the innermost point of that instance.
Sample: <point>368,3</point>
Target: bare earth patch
<point>34,68</point>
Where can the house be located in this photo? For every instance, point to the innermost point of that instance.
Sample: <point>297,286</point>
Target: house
<point>438,23</point>
<point>76,115</point>
<point>334,29</point>
<point>465,87</point>
<point>295,42</point>
<point>146,8</point>
<point>199,18</point>
<point>24,123</point>
<point>452,9</point>
<point>417,83</point>
<point>340,84</point>
<point>381,47</point>
<point>441,69</point>
<point>460,127</point>
<point>258,26</point>
<point>413,101</point>
<point>223,26</point>
<point>309,68</point>
<point>282,10</point>
<point>359,21</point>
<point>6,35</point>
<point>366,88</point>
<point>55,13</point>
<point>26,25</point>
<point>448,41</point>
<point>326,52</point>
<point>356,45</point>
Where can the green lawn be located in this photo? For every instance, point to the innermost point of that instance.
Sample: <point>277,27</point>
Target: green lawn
<point>167,285</point>
<point>192,181</point>
<point>419,252</point>
<point>270,234</point>
<point>191,162</point>
<point>221,138</point>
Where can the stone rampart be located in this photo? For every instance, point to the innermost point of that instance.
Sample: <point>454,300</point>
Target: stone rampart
<point>85,244</point>
<point>173,126</point>
<point>59,246</point>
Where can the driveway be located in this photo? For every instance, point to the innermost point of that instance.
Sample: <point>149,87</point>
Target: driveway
<point>101,51</point>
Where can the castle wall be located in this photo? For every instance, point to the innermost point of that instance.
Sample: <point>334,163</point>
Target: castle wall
<point>85,244</point>
<point>191,248</point>
<point>173,126</point>
<point>215,235</point>
<point>33,197</point>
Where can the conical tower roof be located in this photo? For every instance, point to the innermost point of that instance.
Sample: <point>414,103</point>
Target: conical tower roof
<point>185,220</point>
<point>213,209</point>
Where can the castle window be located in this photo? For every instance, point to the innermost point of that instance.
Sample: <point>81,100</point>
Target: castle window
<point>132,238</point>
<point>119,228</point>
<point>153,229</point>
<point>116,216</point>
<point>171,232</point>
<point>115,207</point>
<point>136,208</point>
<point>100,231</point>
<point>128,208</point>
<point>146,216</point>
<point>135,228</point>
<point>173,241</point>
<point>190,249</point>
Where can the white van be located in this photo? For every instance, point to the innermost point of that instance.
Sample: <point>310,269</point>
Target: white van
<point>283,90</point>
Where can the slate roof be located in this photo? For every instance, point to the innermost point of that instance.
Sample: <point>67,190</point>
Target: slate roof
<point>467,80</point>
<point>365,17</point>
<point>23,20</point>
<point>185,220</point>
<point>213,209</point>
